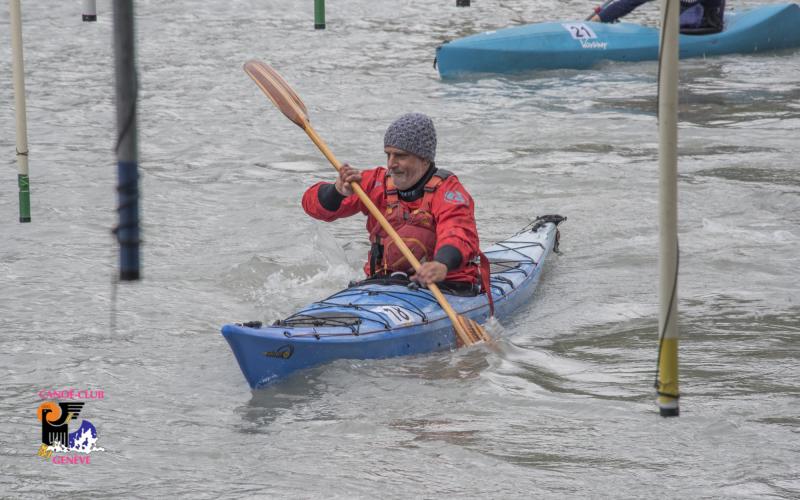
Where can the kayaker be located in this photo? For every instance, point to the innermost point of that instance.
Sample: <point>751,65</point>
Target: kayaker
<point>696,17</point>
<point>427,206</point>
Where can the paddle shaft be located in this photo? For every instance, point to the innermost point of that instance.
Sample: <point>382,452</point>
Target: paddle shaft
<point>401,245</point>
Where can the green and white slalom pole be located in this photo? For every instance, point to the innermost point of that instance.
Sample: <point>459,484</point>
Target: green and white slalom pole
<point>667,379</point>
<point>319,14</point>
<point>127,144</point>
<point>21,113</point>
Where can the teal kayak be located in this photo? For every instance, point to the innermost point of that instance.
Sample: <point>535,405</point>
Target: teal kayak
<point>385,318</point>
<point>584,44</point>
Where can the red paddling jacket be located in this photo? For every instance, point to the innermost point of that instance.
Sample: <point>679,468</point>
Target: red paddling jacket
<point>435,218</point>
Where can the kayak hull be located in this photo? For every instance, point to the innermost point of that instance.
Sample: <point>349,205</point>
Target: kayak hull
<point>583,45</point>
<point>380,320</point>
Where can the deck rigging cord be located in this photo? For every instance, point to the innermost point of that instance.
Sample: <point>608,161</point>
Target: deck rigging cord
<point>328,312</point>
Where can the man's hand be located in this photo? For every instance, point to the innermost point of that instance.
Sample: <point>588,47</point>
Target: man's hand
<point>347,174</point>
<point>430,272</point>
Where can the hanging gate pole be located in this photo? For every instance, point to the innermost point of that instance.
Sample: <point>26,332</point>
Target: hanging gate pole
<point>90,10</point>
<point>127,147</point>
<point>667,382</point>
<point>319,14</point>
<point>21,113</point>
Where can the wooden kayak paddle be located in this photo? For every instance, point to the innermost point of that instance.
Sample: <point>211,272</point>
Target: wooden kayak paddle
<point>286,100</point>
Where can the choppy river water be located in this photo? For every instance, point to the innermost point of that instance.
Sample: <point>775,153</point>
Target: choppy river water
<point>565,406</point>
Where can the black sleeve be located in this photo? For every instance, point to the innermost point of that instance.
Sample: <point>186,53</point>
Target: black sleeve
<point>619,8</point>
<point>329,197</point>
<point>450,256</point>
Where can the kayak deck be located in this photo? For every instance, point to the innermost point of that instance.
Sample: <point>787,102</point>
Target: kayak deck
<point>380,319</point>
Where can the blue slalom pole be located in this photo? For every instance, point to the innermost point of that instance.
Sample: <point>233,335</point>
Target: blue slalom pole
<point>127,146</point>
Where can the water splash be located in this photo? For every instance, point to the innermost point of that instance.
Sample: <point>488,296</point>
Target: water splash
<point>494,328</point>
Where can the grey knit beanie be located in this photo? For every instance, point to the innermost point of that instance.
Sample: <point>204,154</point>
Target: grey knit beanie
<point>413,132</point>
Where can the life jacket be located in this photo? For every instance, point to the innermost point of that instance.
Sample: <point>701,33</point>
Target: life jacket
<point>417,228</point>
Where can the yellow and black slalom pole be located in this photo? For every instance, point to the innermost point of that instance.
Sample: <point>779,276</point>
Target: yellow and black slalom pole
<point>21,113</point>
<point>667,379</point>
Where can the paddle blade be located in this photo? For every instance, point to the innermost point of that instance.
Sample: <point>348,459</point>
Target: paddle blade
<point>278,91</point>
<point>472,332</point>
<point>477,331</point>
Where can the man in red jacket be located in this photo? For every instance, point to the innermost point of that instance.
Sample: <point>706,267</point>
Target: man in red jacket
<point>427,206</point>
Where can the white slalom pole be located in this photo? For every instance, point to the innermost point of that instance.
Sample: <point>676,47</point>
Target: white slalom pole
<point>667,383</point>
<point>21,113</point>
<point>89,10</point>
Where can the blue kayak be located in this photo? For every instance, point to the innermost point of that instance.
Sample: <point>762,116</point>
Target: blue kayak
<point>583,44</point>
<point>385,318</point>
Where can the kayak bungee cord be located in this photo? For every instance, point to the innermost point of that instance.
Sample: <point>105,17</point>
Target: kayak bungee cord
<point>328,312</point>
<point>308,318</point>
<point>315,316</point>
<point>533,226</point>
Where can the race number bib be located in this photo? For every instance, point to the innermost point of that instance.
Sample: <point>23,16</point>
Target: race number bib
<point>579,31</point>
<point>397,316</point>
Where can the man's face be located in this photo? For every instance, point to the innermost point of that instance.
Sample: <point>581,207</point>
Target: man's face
<point>406,168</point>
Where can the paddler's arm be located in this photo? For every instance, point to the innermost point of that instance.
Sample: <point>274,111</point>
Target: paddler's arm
<point>447,258</point>
<point>327,201</point>
<point>347,174</point>
<point>617,9</point>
